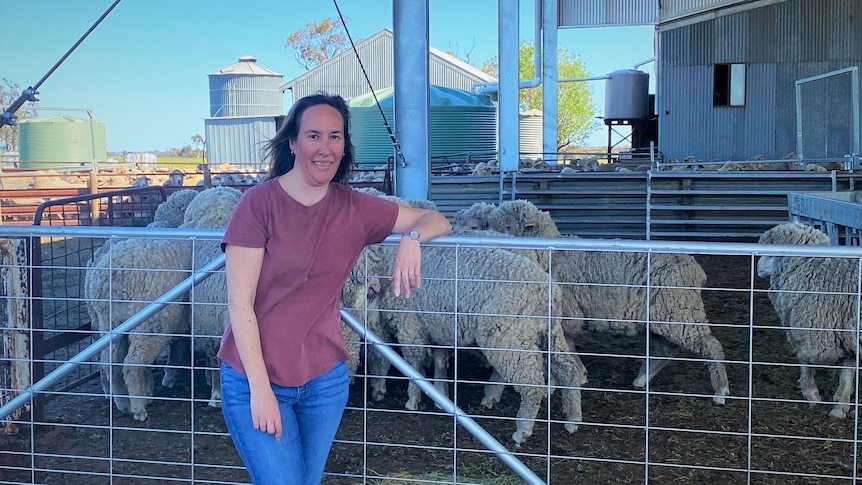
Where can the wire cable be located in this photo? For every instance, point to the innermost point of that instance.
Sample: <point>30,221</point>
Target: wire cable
<point>29,94</point>
<point>398,152</point>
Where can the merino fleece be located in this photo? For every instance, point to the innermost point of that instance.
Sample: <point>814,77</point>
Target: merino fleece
<point>309,252</point>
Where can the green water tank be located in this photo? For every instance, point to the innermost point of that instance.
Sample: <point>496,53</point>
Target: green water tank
<point>60,141</point>
<point>459,122</point>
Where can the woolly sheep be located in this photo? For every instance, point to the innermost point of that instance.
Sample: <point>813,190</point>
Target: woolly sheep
<point>168,214</point>
<point>474,217</point>
<point>116,286</point>
<point>175,178</point>
<point>173,209</point>
<point>611,289</point>
<point>210,210</point>
<point>122,280</point>
<point>512,340</point>
<point>817,300</point>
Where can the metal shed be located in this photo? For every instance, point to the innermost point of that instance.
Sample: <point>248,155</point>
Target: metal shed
<point>343,74</point>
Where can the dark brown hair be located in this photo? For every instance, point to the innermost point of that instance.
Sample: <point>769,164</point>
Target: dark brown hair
<point>278,151</point>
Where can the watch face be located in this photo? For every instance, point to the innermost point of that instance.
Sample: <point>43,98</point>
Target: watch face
<point>414,234</point>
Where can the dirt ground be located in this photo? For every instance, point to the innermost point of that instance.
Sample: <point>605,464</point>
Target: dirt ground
<point>687,440</point>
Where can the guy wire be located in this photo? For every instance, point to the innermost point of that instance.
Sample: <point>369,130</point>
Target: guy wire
<point>400,155</point>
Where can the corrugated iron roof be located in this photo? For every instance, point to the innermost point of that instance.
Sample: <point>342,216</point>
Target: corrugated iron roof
<point>246,65</point>
<point>388,36</point>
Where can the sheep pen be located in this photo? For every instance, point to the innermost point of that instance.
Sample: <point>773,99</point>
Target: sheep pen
<point>776,430</point>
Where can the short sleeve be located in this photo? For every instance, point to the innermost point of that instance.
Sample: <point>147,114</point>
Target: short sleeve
<point>247,225</point>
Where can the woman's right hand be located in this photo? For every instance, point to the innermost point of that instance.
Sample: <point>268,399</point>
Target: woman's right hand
<point>265,414</point>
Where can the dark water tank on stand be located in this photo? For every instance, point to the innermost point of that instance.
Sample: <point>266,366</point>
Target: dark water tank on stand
<point>627,95</point>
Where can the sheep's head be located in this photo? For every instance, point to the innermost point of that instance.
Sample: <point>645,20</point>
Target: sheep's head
<point>363,284</point>
<point>359,290</point>
<point>522,218</point>
<point>788,233</point>
<point>474,218</point>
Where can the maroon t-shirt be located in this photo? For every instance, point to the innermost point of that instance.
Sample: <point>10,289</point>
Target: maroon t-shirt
<point>308,254</point>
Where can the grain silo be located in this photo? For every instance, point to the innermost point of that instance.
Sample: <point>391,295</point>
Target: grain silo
<point>60,141</point>
<point>245,88</point>
<point>245,106</point>
<point>460,123</point>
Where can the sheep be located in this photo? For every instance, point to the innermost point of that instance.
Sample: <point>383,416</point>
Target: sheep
<point>121,281</point>
<point>169,213</point>
<point>211,209</point>
<point>173,209</point>
<point>474,217</point>
<point>370,191</point>
<point>611,289</point>
<point>116,286</point>
<point>512,340</point>
<point>175,178</point>
<point>817,301</point>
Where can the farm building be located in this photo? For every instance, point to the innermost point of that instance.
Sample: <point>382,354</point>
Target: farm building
<point>343,74</point>
<point>740,78</point>
<point>245,109</point>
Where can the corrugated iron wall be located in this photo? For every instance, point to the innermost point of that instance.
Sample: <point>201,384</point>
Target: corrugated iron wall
<point>343,75</point>
<point>680,8</point>
<point>779,43</point>
<point>707,206</point>
<point>237,140</point>
<point>597,13</point>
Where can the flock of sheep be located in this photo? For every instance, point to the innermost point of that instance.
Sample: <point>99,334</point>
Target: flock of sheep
<point>523,312</point>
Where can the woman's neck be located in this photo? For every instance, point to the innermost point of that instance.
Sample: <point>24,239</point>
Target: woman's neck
<point>300,191</point>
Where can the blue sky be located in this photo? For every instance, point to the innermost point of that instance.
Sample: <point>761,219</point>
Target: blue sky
<point>143,70</point>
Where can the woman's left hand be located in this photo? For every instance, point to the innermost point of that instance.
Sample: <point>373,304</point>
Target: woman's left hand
<point>407,273</point>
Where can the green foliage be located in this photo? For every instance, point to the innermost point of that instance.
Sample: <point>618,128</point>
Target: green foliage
<point>317,42</point>
<point>9,92</point>
<point>575,110</point>
<point>182,163</point>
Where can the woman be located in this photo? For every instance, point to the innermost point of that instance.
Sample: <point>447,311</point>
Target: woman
<point>289,247</point>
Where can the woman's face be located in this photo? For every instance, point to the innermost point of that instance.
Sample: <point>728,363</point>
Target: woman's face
<point>319,146</point>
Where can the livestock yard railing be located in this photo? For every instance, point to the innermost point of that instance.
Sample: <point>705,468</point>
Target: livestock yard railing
<point>63,324</point>
<point>727,408</point>
<point>692,206</point>
<point>838,214</point>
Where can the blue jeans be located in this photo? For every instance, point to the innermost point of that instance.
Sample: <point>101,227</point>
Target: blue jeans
<point>310,415</point>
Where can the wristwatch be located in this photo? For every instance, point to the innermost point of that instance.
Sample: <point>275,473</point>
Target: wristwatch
<point>414,235</point>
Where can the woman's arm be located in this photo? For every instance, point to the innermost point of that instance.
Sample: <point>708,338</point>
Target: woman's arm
<point>428,224</point>
<point>242,266</point>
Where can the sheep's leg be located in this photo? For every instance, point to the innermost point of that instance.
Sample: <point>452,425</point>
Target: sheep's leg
<point>844,393</point>
<point>700,340</point>
<point>651,367</point>
<point>441,370</point>
<point>378,369</point>
<point>215,383</point>
<point>493,390</point>
<point>179,356</point>
<point>808,386</point>
<point>143,350</point>
<point>524,369</point>
<point>111,374</point>
<point>415,356</point>
<point>571,375</point>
